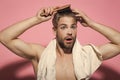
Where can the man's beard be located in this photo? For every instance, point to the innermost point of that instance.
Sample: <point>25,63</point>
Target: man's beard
<point>64,45</point>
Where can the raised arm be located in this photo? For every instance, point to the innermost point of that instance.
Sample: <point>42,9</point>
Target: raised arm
<point>9,36</point>
<point>110,49</point>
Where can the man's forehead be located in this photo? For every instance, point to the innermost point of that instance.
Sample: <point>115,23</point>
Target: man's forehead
<point>67,19</point>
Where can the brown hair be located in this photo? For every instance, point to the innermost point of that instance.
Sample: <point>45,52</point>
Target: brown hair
<point>58,15</point>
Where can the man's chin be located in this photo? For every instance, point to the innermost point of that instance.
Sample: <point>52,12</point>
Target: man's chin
<point>69,46</point>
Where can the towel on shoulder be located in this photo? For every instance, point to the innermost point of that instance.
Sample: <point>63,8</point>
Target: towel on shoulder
<point>86,60</point>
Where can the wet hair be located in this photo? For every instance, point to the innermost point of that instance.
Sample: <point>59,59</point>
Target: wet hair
<point>61,14</point>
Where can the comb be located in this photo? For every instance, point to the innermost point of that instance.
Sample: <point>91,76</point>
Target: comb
<point>65,8</point>
<point>62,9</point>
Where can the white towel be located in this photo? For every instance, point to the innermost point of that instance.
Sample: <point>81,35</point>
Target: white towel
<point>85,59</point>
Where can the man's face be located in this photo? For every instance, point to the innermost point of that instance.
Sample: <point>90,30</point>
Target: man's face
<point>66,32</point>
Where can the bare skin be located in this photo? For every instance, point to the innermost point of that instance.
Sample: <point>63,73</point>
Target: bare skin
<point>64,70</point>
<point>66,28</point>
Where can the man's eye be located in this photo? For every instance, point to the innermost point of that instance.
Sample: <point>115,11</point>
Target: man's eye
<point>73,26</point>
<point>63,27</point>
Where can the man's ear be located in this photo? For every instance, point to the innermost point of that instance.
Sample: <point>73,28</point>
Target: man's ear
<point>54,31</point>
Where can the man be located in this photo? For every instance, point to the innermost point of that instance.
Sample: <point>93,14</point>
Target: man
<point>63,65</point>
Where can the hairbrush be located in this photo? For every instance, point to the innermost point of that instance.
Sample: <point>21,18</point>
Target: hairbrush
<point>62,9</point>
<point>65,8</point>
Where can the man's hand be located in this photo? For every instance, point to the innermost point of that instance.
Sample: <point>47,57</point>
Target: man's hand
<point>46,13</point>
<point>83,18</point>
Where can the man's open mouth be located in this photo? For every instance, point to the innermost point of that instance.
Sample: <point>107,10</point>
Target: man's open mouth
<point>69,39</point>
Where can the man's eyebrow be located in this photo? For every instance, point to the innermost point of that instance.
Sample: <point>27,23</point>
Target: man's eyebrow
<point>62,24</point>
<point>74,23</point>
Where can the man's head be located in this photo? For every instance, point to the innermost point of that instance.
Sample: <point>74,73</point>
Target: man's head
<point>65,27</point>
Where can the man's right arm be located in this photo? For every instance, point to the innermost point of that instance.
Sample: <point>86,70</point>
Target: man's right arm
<point>9,36</point>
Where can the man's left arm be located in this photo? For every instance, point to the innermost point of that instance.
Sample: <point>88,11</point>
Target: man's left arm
<point>110,49</point>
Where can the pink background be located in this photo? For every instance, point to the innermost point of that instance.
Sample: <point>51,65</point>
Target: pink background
<point>13,67</point>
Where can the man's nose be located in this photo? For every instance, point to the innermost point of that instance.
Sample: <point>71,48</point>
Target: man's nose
<point>69,32</point>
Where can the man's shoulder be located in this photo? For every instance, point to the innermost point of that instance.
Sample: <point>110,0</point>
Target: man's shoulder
<point>90,47</point>
<point>38,48</point>
<point>86,45</point>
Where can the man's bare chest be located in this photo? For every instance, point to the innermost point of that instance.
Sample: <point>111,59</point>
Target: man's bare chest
<point>64,68</point>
